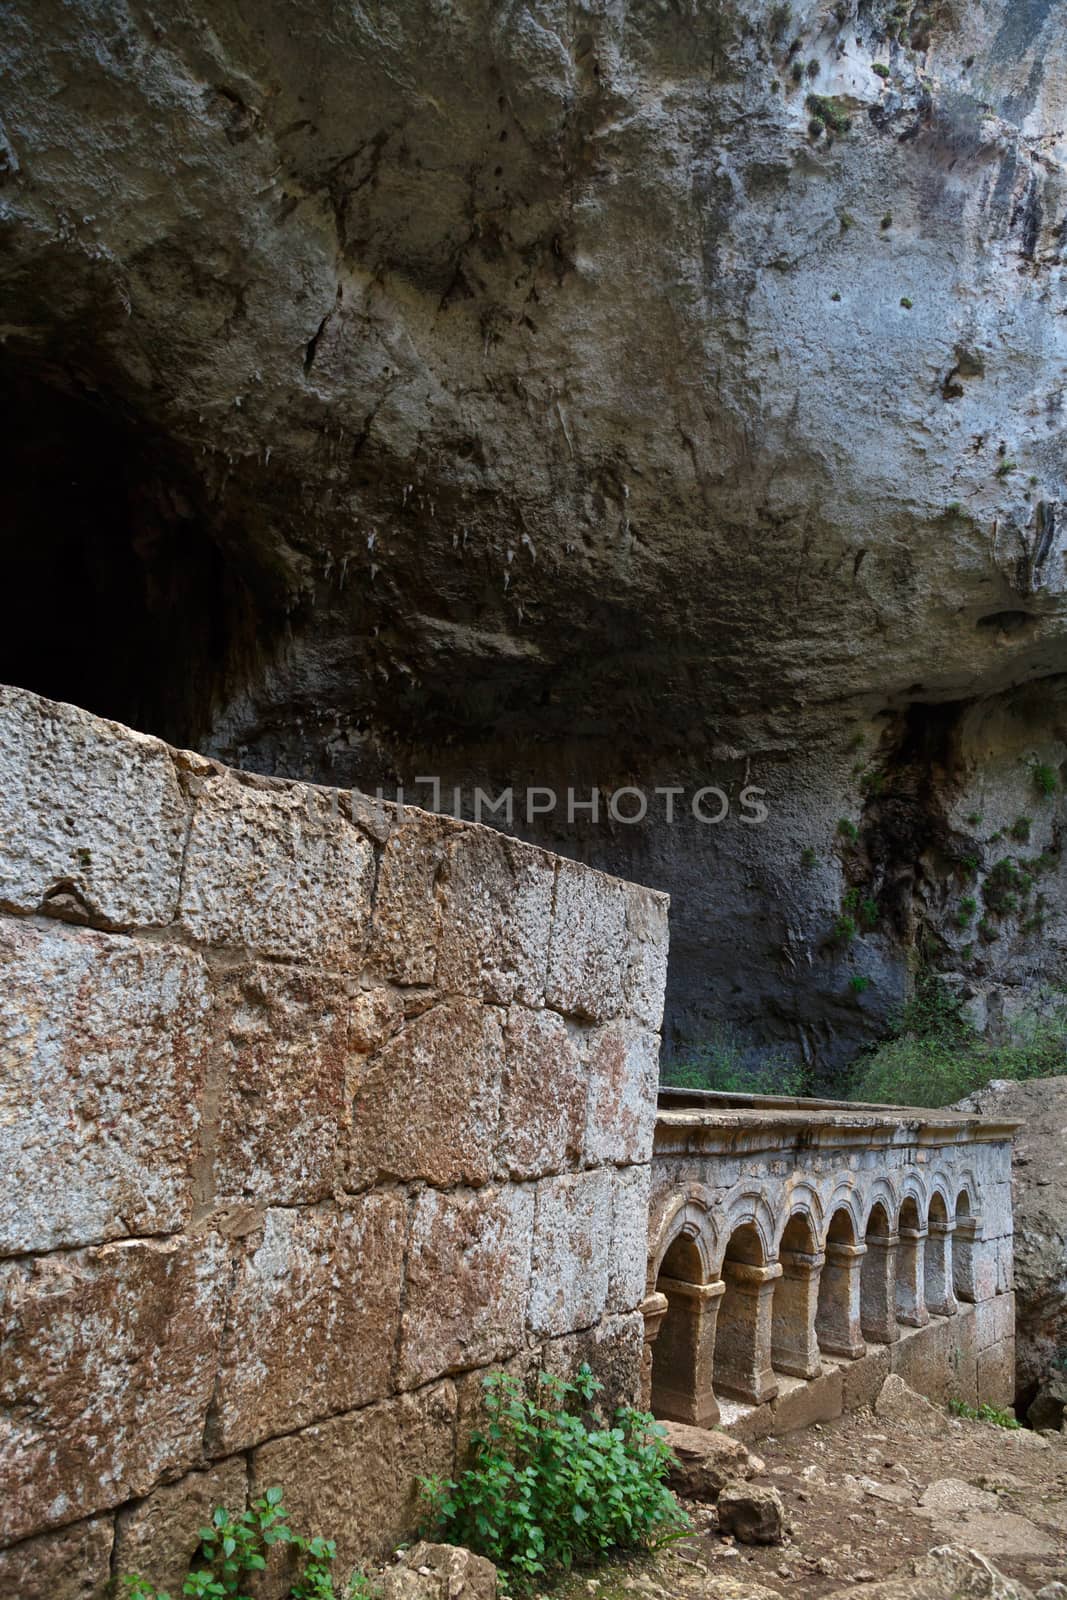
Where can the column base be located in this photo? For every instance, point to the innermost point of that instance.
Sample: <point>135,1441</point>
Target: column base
<point>848,1352</point>
<point>673,1407</point>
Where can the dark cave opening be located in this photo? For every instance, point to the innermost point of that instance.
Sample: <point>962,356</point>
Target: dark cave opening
<point>118,598</point>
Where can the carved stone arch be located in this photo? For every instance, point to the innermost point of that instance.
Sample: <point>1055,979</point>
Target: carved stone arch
<point>966,1213</point>
<point>681,1307</point>
<point>911,1228</point>
<point>803,1200</point>
<point>913,1188</point>
<point>942,1185</point>
<point>838,1328</point>
<point>881,1191</point>
<point>846,1196</point>
<point>748,1205</point>
<point>684,1213</point>
<point>794,1347</point>
<point>938,1269</point>
<point>964,1182</point>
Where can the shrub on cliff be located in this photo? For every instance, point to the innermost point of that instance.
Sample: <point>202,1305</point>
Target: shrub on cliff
<point>723,1063</point>
<point>936,1056</point>
<point>546,1490</point>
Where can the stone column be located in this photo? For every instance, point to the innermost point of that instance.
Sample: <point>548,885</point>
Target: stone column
<point>963,1253</point>
<point>653,1308</point>
<point>685,1353</point>
<point>794,1347</point>
<point>878,1289</point>
<point>940,1298</point>
<point>838,1326</point>
<point>911,1281</point>
<point>743,1347</point>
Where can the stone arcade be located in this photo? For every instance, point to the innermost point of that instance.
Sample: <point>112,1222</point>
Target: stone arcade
<point>799,1251</point>
<point>309,1118</point>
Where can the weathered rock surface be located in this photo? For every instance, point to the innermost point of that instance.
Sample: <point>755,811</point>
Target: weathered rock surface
<point>637,396</point>
<point>752,1512</point>
<point>1039,1198</point>
<point>440,1572</point>
<point>707,1460</point>
<point>948,1570</point>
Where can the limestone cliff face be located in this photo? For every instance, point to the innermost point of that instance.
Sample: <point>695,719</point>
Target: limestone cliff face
<point>657,392</point>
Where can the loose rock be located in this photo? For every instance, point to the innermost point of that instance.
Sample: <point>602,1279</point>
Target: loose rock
<point>752,1512</point>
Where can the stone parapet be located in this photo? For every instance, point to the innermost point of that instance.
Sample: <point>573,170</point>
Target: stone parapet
<point>312,1112</point>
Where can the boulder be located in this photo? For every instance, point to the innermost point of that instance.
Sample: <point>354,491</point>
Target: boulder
<point>1049,1408</point>
<point>704,1461</point>
<point>752,1512</point>
<point>1039,1196</point>
<point>947,1571</point>
<point>440,1572</point>
<point>897,1403</point>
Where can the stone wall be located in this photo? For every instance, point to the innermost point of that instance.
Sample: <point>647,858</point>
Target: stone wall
<point>309,1113</point>
<point>800,1251</point>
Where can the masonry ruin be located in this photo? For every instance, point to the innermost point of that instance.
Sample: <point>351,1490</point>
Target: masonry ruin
<point>801,1250</point>
<point>313,1111</point>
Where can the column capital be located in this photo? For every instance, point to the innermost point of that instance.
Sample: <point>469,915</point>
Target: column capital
<point>837,1250</point>
<point>681,1289</point>
<point>743,1275</point>
<point>800,1263</point>
<point>944,1229</point>
<point>883,1241</point>
<point>913,1233</point>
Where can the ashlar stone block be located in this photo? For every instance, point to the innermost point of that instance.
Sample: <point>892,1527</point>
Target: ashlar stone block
<point>277,869</point>
<point>107,1362</point>
<point>542,1095</point>
<point>88,810</point>
<point>313,1319</point>
<point>468,1278</point>
<point>103,1050</point>
<point>284,1117</point>
<point>427,1104</point>
<point>356,1478</point>
<point>571,1251</point>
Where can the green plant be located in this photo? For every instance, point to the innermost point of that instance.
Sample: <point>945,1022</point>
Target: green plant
<point>974,819</point>
<point>778,19</point>
<point>796,71</point>
<point>905,302</point>
<point>847,221</point>
<point>848,830</point>
<point>859,983</point>
<point>1020,829</point>
<point>845,928</point>
<point>836,295</point>
<point>236,1547</point>
<point>546,1490</point>
<point>880,68</point>
<point>935,1056</point>
<point>724,1063</point>
<point>887,220</point>
<point>828,112</point>
<point>983,1413</point>
<point>808,857</point>
<point>969,865</point>
<point>1044,778</point>
<point>965,914</point>
<point>967,952</point>
<point>813,68</point>
<point>1005,468</point>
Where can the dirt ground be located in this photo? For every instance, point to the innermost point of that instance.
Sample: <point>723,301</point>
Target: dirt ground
<point>863,1495</point>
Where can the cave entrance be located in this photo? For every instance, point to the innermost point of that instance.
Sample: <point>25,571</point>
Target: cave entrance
<point>117,596</point>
